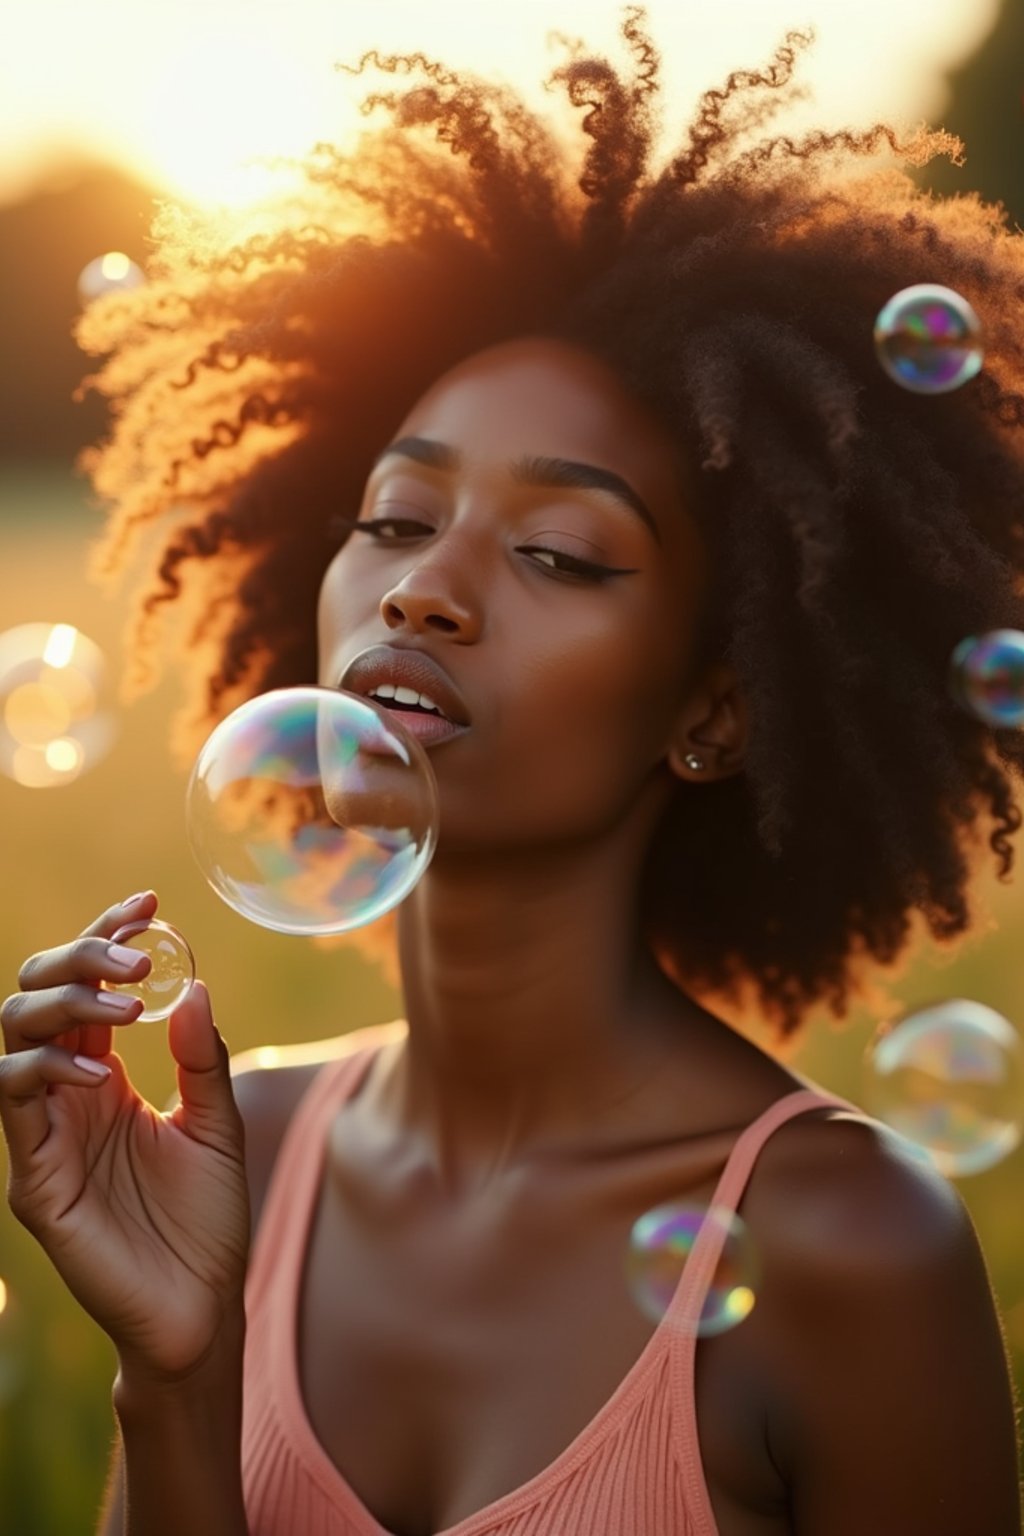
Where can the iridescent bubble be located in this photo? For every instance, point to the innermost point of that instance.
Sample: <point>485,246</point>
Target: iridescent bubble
<point>928,339</point>
<point>53,720</point>
<point>950,1078</point>
<point>312,811</point>
<point>173,968</point>
<point>986,677</point>
<point>113,272</point>
<point>660,1244</point>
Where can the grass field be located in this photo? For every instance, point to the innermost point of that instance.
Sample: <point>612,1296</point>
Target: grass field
<point>68,852</point>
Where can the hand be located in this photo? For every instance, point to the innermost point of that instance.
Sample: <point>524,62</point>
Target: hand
<point>145,1215</point>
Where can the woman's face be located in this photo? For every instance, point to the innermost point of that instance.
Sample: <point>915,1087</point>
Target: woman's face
<point>534,543</point>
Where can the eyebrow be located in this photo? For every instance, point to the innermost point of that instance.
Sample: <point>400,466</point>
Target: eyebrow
<point>531,469</point>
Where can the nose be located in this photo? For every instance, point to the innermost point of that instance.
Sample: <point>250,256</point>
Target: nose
<point>423,600</point>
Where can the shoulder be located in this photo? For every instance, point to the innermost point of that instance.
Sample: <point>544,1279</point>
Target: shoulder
<point>892,1387</point>
<point>270,1081</point>
<point>853,1190</point>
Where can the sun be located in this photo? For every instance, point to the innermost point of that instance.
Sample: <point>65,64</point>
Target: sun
<point>195,97</point>
<point>222,105</point>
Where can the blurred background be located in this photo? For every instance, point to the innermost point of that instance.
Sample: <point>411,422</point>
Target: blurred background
<point>107,106</point>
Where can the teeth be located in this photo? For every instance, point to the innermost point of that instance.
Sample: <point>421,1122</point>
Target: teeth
<point>403,696</point>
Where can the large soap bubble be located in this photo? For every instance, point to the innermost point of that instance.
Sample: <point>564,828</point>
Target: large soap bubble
<point>312,811</point>
<point>53,723</point>
<point>950,1078</point>
<point>928,339</point>
<point>986,677</point>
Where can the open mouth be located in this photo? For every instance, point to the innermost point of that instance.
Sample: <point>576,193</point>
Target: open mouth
<point>407,681</point>
<point>407,700</point>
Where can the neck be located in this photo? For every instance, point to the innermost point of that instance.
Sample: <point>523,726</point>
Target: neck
<point>533,1005</point>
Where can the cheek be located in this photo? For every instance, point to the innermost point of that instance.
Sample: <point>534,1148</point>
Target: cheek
<point>592,721</point>
<point>338,609</point>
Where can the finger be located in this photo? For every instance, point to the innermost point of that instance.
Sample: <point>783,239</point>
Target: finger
<point>24,1079</point>
<point>84,959</point>
<point>135,908</point>
<point>34,1018</point>
<point>95,1040</point>
<point>207,1110</point>
<point>55,998</point>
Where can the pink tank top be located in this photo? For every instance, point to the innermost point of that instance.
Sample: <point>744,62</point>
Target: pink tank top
<point>634,1470</point>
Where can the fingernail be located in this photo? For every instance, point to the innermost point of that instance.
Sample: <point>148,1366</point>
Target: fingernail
<point>123,957</point>
<point>119,1000</point>
<point>131,901</point>
<point>90,1064</point>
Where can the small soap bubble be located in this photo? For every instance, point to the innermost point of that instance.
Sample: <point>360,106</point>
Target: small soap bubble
<point>312,811</point>
<point>54,723</point>
<point>928,339</point>
<point>986,677</point>
<point>950,1078</point>
<point>660,1244</point>
<point>113,272</point>
<point>173,968</point>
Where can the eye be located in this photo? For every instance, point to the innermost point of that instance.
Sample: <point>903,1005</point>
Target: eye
<point>561,564</point>
<point>383,530</point>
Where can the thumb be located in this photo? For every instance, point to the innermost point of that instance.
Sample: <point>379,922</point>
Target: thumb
<point>207,1111</point>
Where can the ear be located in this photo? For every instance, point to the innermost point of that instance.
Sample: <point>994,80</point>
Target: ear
<point>711,729</point>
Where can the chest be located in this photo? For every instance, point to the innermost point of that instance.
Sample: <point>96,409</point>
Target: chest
<point>449,1356</point>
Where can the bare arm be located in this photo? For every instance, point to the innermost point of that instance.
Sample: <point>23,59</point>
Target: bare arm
<point>266,1098</point>
<point>899,1414</point>
<point>111,1521</point>
<point>182,1446</point>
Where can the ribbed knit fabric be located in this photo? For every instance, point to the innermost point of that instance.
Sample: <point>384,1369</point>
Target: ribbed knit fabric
<point>634,1470</point>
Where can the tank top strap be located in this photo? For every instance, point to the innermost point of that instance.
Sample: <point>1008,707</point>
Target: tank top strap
<point>698,1272</point>
<point>688,1301</point>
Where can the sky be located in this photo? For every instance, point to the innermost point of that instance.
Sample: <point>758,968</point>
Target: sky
<point>183,92</point>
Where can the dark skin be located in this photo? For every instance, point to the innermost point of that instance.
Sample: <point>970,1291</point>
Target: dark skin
<point>551,1085</point>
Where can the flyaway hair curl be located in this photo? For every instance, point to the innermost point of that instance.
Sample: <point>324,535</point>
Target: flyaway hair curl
<point>858,531</point>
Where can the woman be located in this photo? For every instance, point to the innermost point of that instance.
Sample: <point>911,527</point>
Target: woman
<point>616,484</point>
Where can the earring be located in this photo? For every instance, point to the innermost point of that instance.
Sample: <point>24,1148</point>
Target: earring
<point>694,762</point>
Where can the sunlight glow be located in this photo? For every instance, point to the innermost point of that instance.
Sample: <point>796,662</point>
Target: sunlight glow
<point>108,273</point>
<point>267,1056</point>
<point>114,266</point>
<point>35,713</point>
<point>61,641</point>
<point>191,96</point>
<point>63,755</point>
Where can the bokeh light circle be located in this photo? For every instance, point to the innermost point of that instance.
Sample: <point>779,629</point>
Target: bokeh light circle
<point>950,1078</point>
<point>928,339</point>
<point>113,272</point>
<point>312,811</point>
<point>173,968</point>
<point>986,677</point>
<point>660,1243</point>
<point>54,719</point>
<point>14,1346</point>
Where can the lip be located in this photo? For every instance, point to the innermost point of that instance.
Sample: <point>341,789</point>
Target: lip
<point>409,669</point>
